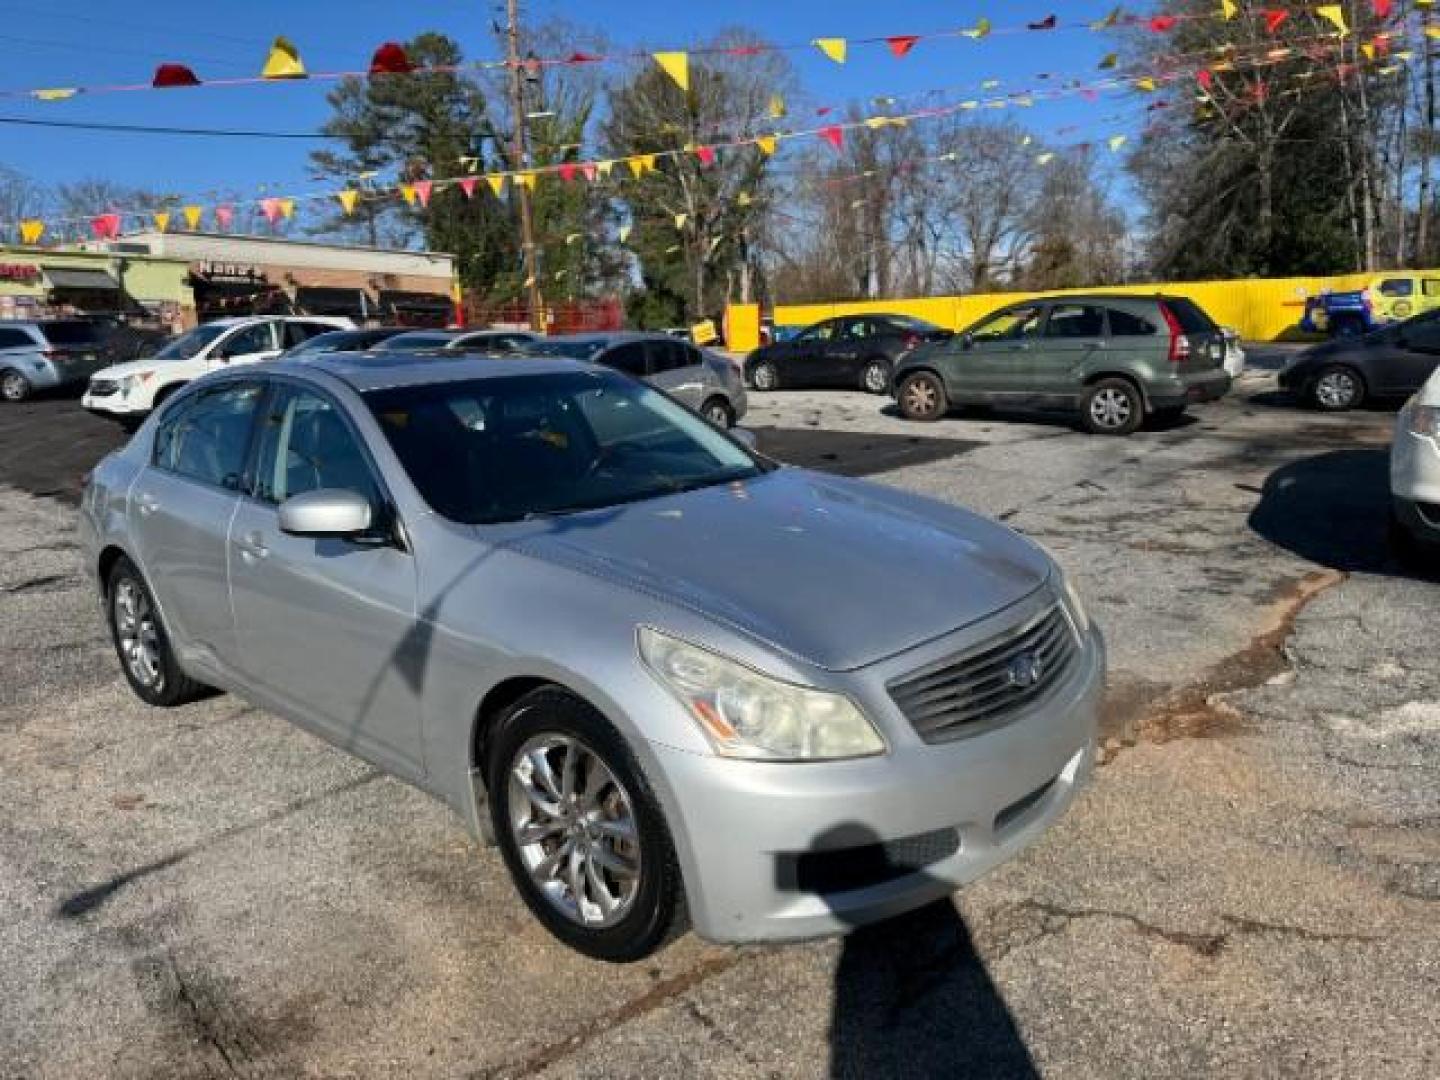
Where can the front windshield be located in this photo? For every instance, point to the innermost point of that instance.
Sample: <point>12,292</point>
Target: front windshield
<point>507,449</point>
<point>191,343</point>
<point>566,350</point>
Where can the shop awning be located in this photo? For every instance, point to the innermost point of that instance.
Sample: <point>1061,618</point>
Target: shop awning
<point>317,300</point>
<point>416,302</point>
<point>71,277</point>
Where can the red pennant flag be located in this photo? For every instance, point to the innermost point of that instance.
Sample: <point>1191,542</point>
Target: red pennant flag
<point>834,135</point>
<point>224,215</point>
<point>174,75</point>
<point>745,50</point>
<point>1161,23</point>
<point>1047,23</point>
<point>1273,18</point>
<point>271,209</point>
<point>567,171</point>
<point>706,154</point>
<point>391,59</point>
<point>1205,79</point>
<point>467,185</point>
<point>582,58</point>
<point>423,188</point>
<point>1090,94</point>
<point>1382,8</point>
<point>105,226</point>
<point>901,44</point>
<point>589,170</point>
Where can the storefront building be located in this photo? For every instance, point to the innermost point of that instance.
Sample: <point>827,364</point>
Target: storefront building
<point>259,275</point>
<point>133,288</point>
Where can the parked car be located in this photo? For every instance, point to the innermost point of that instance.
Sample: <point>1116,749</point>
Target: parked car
<point>1415,478</point>
<point>857,351</point>
<point>46,354</point>
<point>344,341</point>
<point>1116,359</point>
<point>1234,352</point>
<point>494,341</point>
<point>1387,298</point>
<point>645,662</point>
<point>1389,363</point>
<point>128,392</point>
<point>705,382</point>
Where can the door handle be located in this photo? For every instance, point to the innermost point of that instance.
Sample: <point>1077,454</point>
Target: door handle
<point>146,503</point>
<point>252,546</point>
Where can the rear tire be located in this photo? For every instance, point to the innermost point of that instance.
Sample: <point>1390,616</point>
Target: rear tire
<point>146,657</point>
<point>14,387</point>
<point>1336,388</point>
<point>922,397</point>
<point>718,411</point>
<point>551,724</point>
<point>764,377</point>
<point>875,378</point>
<point>1112,407</point>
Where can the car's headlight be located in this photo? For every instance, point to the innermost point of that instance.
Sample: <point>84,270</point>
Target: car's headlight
<point>1423,419</point>
<point>749,715</point>
<point>1074,605</point>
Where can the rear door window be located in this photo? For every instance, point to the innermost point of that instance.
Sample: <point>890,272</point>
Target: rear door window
<point>1128,324</point>
<point>70,333</point>
<point>1190,315</point>
<point>629,358</point>
<point>1075,321</point>
<point>16,339</point>
<point>665,356</point>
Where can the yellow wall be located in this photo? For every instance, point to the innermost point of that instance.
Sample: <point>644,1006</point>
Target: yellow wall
<point>1262,309</point>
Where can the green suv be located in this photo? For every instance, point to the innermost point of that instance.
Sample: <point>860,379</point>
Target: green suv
<point>1116,359</point>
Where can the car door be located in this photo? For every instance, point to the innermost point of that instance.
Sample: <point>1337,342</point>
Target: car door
<point>1402,365</point>
<point>327,625</point>
<point>180,509</point>
<point>808,361</point>
<point>992,360</point>
<point>848,351</point>
<point>249,344</point>
<point>629,357</point>
<point>677,369</point>
<point>1073,336</point>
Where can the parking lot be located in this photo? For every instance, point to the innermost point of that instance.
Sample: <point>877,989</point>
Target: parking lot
<point>1249,888</point>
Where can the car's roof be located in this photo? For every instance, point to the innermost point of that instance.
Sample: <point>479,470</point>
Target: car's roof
<point>612,337</point>
<point>380,370</point>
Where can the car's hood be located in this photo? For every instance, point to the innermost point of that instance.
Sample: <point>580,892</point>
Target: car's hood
<point>132,367</point>
<point>836,573</point>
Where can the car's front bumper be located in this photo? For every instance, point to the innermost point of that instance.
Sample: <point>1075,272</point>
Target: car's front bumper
<point>1415,481</point>
<point>971,804</point>
<point>114,406</point>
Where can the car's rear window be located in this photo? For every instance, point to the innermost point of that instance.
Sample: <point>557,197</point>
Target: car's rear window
<point>70,333</point>
<point>1190,315</point>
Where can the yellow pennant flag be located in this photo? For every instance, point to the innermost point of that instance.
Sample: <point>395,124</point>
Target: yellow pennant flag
<point>407,192</point>
<point>1430,32</point>
<point>1111,59</point>
<point>193,214</point>
<point>55,93</point>
<point>833,47</point>
<point>602,168</point>
<point>31,231</point>
<point>980,30</point>
<point>1113,19</point>
<point>876,122</point>
<point>777,106</point>
<point>1228,9</point>
<point>574,238</point>
<point>497,184</point>
<point>526,180</point>
<point>1335,14</point>
<point>1116,141</point>
<point>680,220</point>
<point>715,243</point>
<point>283,62</point>
<point>1146,84</point>
<point>624,233</point>
<point>1369,50</point>
<point>347,199</point>
<point>969,104</point>
<point>744,199</point>
<point>677,66</point>
<point>162,220</point>
<point>287,208</point>
<point>766,143</point>
<point>640,164</point>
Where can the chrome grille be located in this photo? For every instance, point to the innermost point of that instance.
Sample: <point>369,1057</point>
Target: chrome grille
<point>983,687</point>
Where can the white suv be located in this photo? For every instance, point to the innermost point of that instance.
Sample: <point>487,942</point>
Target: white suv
<point>1415,477</point>
<point>127,392</point>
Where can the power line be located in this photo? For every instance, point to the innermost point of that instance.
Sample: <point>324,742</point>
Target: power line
<point>144,129</point>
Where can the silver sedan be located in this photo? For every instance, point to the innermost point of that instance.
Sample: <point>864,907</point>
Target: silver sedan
<point>665,675</point>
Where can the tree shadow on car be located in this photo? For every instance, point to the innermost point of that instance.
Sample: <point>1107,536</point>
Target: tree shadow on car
<point>1332,509</point>
<point>913,998</point>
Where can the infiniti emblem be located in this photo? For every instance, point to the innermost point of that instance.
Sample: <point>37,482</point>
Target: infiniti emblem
<point>1024,671</point>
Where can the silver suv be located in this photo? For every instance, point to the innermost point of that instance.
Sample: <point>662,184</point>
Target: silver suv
<point>46,354</point>
<point>664,675</point>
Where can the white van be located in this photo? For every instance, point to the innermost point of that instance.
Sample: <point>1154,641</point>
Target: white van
<point>128,392</point>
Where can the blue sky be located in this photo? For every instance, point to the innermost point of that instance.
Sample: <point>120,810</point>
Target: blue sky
<point>80,42</point>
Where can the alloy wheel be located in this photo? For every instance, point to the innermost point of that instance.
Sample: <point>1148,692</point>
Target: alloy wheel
<point>575,830</point>
<point>13,386</point>
<point>921,398</point>
<point>1336,390</point>
<point>1111,408</point>
<point>876,379</point>
<point>138,634</point>
<point>718,414</point>
<point>764,377</point>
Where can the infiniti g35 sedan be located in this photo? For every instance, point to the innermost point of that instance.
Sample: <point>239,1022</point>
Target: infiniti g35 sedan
<point>667,677</point>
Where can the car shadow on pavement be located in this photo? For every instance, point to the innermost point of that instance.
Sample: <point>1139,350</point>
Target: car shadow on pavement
<point>913,999</point>
<point>1332,509</point>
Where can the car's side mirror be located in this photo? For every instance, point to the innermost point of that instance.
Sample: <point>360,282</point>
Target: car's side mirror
<point>967,341</point>
<point>744,436</point>
<point>326,512</point>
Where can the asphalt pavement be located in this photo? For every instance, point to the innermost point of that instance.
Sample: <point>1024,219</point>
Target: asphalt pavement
<point>1249,887</point>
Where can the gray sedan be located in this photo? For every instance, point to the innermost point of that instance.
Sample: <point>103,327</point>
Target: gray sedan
<point>664,675</point>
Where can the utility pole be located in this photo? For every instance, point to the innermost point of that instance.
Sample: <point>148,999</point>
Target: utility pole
<point>518,161</point>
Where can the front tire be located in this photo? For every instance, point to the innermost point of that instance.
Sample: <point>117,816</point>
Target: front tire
<point>875,379</point>
<point>14,387</point>
<point>1112,407</point>
<point>581,831</point>
<point>1336,388</point>
<point>141,643</point>
<point>764,377</point>
<point>922,397</point>
<point>718,411</point>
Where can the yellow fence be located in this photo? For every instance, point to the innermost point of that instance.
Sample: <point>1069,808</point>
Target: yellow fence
<point>1261,309</point>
